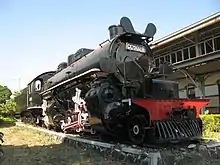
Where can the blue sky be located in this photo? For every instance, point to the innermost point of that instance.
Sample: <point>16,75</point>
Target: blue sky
<point>36,35</point>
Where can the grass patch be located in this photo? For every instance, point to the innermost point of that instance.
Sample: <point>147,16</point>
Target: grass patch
<point>25,146</point>
<point>7,121</point>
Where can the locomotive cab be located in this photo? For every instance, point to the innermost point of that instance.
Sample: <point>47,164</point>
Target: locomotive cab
<point>33,113</point>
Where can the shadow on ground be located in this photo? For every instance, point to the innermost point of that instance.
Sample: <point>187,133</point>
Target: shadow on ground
<point>57,154</point>
<point>4,124</point>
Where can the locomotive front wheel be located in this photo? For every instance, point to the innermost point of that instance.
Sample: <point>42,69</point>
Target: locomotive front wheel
<point>136,129</point>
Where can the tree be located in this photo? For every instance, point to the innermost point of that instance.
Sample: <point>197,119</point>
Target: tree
<point>8,108</point>
<point>17,93</point>
<point>5,94</point>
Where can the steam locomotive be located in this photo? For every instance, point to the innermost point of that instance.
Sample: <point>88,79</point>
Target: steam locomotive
<point>114,90</point>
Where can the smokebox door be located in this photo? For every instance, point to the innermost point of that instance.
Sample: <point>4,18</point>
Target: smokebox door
<point>108,65</point>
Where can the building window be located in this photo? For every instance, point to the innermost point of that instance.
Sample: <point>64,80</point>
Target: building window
<point>192,52</point>
<point>209,46</point>
<point>190,91</point>
<point>217,43</point>
<point>173,58</point>
<point>157,62</point>
<point>167,58</point>
<point>161,60</point>
<point>179,56</point>
<point>185,54</point>
<point>202,48</point>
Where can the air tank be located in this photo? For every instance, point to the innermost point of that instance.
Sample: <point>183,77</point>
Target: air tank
<point>115,30</point>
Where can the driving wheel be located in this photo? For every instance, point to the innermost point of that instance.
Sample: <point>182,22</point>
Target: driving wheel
<point>136,129</point>
<point>28,118</point>
<point>57,122</point>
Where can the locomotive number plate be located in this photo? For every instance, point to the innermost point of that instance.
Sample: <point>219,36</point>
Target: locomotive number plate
<point>136,48</point>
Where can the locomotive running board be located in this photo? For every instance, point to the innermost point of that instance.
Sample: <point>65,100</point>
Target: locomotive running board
<point>174,131</point>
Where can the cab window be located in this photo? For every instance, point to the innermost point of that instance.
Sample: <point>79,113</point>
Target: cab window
<point>37,86</point>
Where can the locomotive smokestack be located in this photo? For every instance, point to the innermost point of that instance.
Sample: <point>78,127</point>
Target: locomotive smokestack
<point>115,30</point>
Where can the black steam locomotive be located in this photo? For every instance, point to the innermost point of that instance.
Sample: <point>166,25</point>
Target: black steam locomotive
<point>114,90</point>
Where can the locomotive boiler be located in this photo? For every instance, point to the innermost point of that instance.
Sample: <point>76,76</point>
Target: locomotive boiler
<point>114,89</point>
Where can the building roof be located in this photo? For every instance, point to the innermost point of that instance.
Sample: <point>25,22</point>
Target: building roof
<point>210,20</point>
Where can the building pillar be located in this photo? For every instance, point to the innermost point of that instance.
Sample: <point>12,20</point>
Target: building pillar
<point>218,83</point>
<point>197,44</point>
<point>201,84</point>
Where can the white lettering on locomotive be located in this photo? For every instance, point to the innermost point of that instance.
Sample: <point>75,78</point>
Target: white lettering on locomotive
<point>136,48</point>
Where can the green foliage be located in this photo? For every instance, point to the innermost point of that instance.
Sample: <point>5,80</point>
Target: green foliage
<point>5,94</point>
<point>7,119</point>
<point>211,122</point>
<point>8,108</point>
<point>7,104</point>
<point>17,93</point>
<point>211,125</point>
<point>14,104</point>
